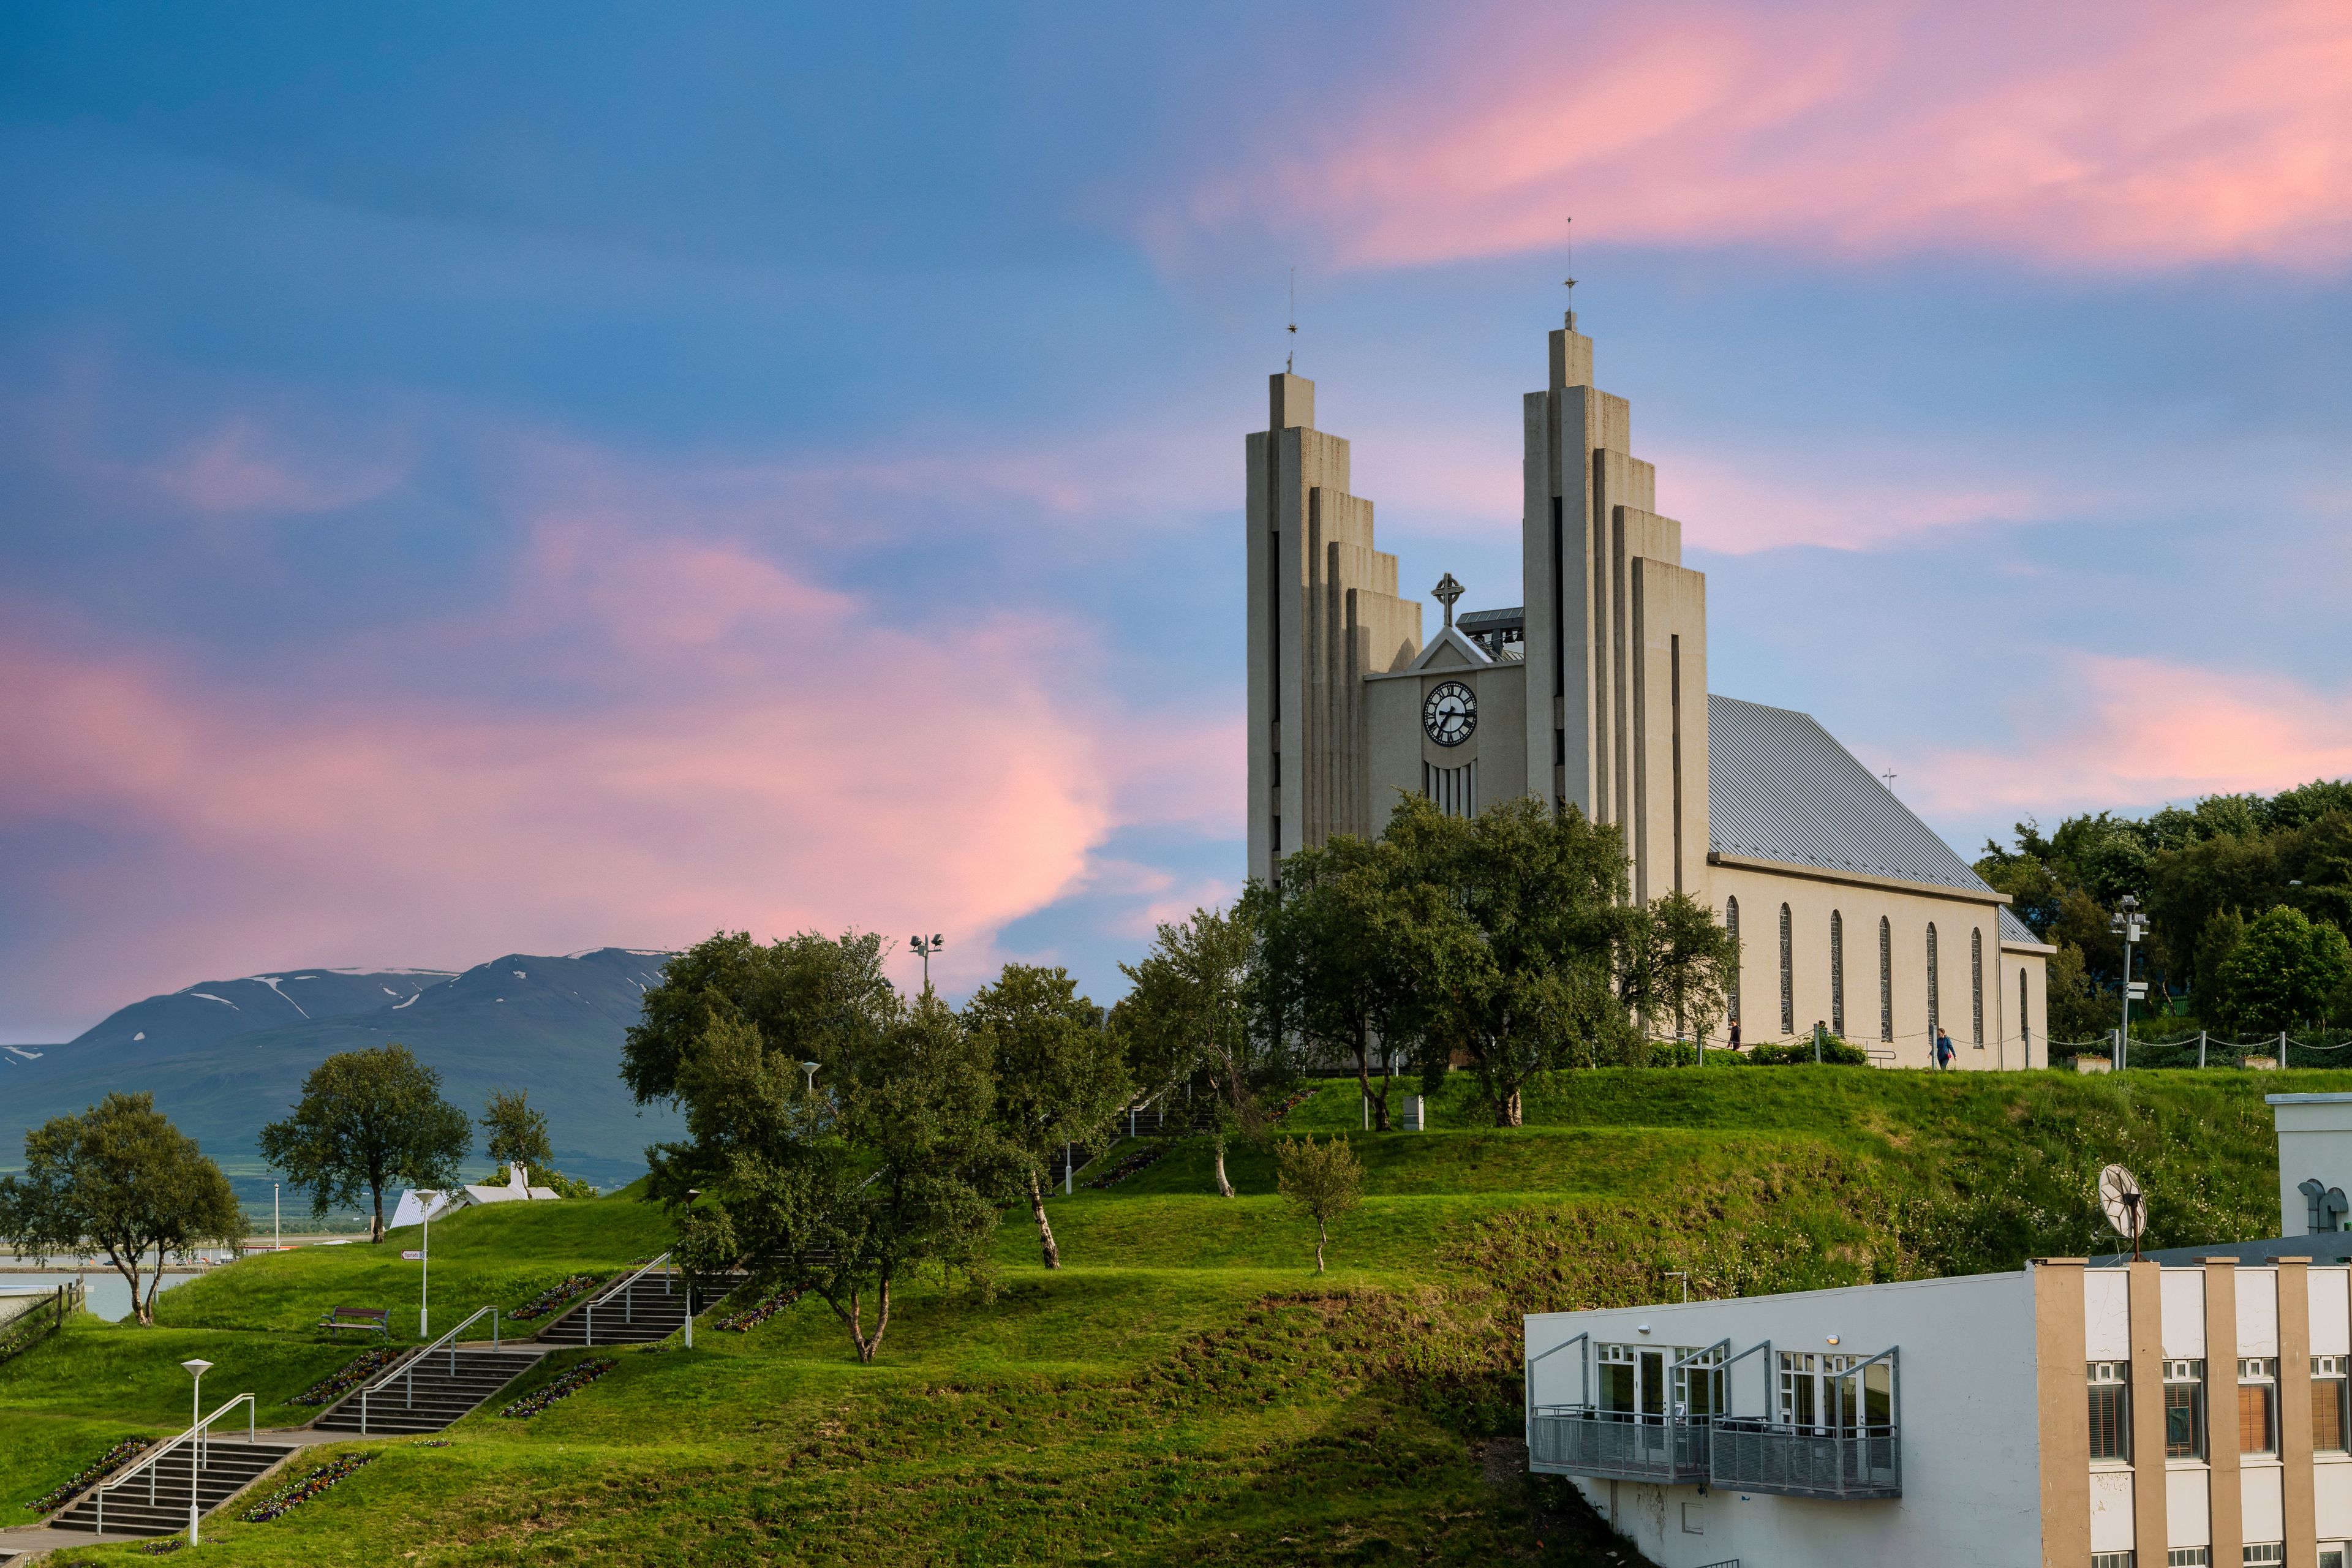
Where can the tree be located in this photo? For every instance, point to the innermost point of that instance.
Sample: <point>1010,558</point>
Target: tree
<point>1679,966</point>
<point>2076,1010</point>
<point>1188,1023</point>
<point>1543,894</point>
<point>811,998</point>
<point>2284,972</point>
<point>119,1179</point>
<point>1322,1182</point>
<point>888,1163</point>
<point>518,1135</point>
<point>1060,1075</point>
<point>366,1120</point>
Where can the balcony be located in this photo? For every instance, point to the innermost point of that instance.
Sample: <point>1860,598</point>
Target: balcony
<point>1618,1445</point>
<point>1846,1462</point>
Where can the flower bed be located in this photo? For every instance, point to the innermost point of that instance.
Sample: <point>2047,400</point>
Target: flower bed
<point>1294,1103</point>
<point>1130,1166</point>
<point>556,1295</point>
<point>295,1494</point>
<point>758,1312</point>
<point>563,1387</point>
<point>113,1459</point>
<point>327,1390</point>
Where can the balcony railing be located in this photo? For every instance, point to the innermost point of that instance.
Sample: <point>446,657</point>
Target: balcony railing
<point>1807,1461</point>
<point>1618,1445</point>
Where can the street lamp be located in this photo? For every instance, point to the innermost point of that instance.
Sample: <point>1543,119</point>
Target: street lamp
<point>2127,925</point>
<point>926,946</point>
<point>196,1369</point>
<point>810,1068</point>
<point>425,1279</point>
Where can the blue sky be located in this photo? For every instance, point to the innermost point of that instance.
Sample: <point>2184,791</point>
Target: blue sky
<point>479,481</point>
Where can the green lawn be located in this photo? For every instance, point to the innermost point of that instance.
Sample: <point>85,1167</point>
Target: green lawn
<point>1186,1390</point>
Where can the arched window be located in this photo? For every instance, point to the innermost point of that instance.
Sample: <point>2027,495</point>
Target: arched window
<point>1886,979</point>
<point>1935,1011</point>
<point>1788,975</point>
<point>1731,925</point>
<point>1976,985</point>
<point>2024,1028</point>
<point>1837,973</point>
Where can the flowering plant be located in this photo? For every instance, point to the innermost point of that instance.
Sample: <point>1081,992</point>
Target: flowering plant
<point>294,1494</point>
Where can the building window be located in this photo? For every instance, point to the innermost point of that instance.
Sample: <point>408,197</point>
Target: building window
<point>1788,975</point>
<point>2111,1559</point>
<point>1837,973</point>
<point>2267,1551</point>
<point>1934,1012</point>
<point>2184,1410</point>
<point>2327,1403</point>
<point>1731,926</point>
<point>2257,1407</point>
<point>2111,1411</point>
<point>1976,985</point>
<point>2186,1557</point>
<point>1886,979</point>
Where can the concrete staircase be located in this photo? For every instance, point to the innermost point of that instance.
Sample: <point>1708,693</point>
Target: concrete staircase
<point>447,1386</point>
<point>136,1509</point>
<point>652,1307</point>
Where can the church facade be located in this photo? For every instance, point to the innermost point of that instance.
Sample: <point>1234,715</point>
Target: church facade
<point>1594,692</point>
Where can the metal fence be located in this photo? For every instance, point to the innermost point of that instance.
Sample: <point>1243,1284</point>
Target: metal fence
<point>1619,1445</point>
<point>1807,1461</point>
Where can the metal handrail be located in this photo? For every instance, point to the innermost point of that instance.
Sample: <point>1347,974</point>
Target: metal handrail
<point>628,1303</point>
<point>408,1370</point>
<point>1529,1398</point>
<point>199,1433</point>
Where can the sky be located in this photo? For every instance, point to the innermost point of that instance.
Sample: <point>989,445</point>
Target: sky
<point>528,477</point>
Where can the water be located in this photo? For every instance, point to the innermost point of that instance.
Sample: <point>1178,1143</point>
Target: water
<point>109,1295</point>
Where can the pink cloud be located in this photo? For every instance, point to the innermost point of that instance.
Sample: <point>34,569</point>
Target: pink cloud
<point>2100,732</point>
<point>244,469</point>
<point>2109,134</point>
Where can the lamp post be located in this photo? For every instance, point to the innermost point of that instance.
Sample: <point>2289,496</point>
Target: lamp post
<point>691,1194</point>
<point>926,946</point>
<point>2127,925</point>
<point>196,1369</point>
<point>425,1279</point>
<point>276,1242</point>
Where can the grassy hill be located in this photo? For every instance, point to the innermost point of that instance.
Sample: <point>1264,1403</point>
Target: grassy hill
<point>1186,1389</point>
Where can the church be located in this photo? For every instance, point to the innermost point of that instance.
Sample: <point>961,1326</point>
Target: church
<point>1593,693</point>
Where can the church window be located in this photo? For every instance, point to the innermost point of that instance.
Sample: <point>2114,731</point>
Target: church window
<point>1788,975</point>
<point>1454,790</point>
<point>1976,985</point>
<point>1837,973</point>
<point>1731,925</point>
<point>1886,979</point>
<point>1935,1009</point>
<point>2024,1029</point>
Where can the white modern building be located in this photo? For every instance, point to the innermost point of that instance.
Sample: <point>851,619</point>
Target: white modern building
<point>418,1205</point>
<point>2192,1408</point>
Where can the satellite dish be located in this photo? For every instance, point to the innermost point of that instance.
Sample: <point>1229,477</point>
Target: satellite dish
<point>2126,1209</point>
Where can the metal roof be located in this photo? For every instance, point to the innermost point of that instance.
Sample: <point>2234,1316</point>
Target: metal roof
<point>2015,929</point>
<point>1474,621</point>
<point>1779,787</point>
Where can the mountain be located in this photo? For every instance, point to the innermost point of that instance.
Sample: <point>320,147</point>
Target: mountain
<point>224,1057</point>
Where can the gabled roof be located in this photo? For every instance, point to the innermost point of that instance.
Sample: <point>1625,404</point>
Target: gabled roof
<point>1779,787</point>
<point>1470,653</point>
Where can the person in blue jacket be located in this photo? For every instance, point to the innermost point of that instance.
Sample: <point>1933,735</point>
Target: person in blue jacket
<point>1943,1048</point>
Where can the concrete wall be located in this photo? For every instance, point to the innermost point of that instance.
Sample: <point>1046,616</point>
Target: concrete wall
<point>1397,747</point>
<point>1968,1401</point>
<point>2315,1142</point>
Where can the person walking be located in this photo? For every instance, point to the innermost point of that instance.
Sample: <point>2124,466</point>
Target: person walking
<point>1734,1034</point>
<point>1943,1048</point>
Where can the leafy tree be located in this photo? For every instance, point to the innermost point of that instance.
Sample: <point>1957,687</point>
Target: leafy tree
<point>1060,1075</point>
<point>120,1180</point>
<point>368,1119</point>
<point>810,997</point>
<point>1322,1182</point>
<point>1545,894</point>
<point>1188,1025</point>
<point>1679,966</point>
<point>889,1163</point>
<point>2076,1010</point>
<point>518,1135</point>
<point>2284,972</point>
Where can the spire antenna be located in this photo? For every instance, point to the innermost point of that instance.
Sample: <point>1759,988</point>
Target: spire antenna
<point>1290,360</point>
<point>1571,274</point>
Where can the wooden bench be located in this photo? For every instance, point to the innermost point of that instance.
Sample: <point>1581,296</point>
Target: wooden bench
<point>377,1319</point>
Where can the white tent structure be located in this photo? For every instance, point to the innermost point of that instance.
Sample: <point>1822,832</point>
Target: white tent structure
<point>417,1205</point>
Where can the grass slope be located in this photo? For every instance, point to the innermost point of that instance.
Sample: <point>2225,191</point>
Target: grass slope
<point>1186,1390</point>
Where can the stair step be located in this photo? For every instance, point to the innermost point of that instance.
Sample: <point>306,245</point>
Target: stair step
<point>228,1470</point>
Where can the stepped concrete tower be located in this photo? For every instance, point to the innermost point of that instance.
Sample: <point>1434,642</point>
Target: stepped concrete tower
<point>1591,693</point>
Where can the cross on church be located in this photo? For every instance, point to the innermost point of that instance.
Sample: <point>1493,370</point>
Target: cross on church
<point>1446,592</point>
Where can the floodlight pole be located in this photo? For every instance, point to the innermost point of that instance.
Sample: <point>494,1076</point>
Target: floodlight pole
<point>927,945</point>
<point>2127,923</point>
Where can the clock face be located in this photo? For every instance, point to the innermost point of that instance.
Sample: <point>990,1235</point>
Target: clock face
<point>1449,713</point>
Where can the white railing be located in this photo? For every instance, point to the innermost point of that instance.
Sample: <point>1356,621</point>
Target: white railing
<point>628,1301</point>
<point>194,1440</point>
<point>406,1370</point>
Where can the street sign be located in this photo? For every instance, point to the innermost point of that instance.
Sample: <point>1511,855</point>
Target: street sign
<point>411,1256</point>
<point>2139,989</point>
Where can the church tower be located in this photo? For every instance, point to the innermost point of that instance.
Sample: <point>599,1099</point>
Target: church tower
<point>1615,630</point>
<point>1323,613</point>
